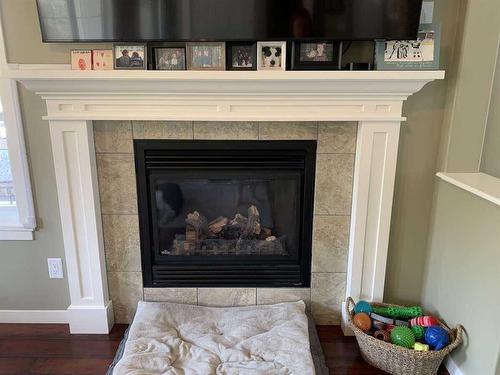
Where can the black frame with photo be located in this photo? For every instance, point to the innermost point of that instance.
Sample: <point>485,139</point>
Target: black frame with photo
<point>334,64</point>
<point>229,54</point>
<point>145,58</point>
<point>152,55</point>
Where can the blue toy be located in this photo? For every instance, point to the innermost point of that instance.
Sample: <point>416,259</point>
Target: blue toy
<point>363,306</point>
<point>436,337</point>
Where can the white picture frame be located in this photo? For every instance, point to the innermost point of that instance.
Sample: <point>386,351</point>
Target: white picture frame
<point>269,60</point>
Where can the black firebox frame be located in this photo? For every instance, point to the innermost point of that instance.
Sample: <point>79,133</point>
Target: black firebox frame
<point>213,271</point>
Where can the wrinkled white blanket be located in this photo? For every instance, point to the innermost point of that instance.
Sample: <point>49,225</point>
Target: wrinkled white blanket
<point>168,338</point>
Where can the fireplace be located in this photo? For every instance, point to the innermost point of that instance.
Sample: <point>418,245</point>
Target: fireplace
<point>225,213</point>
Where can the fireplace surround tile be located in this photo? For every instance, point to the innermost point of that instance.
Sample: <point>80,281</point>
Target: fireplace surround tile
<point>335,163</point>
<point>116,175</point>
<point>113,136</point>
<point>121,242</point>
<point>162,129</point>
<point>327,295</point>
<point>226,130</point>
<point>275,130</point>
<point>334,176</point>
<point>125,290</point>
<point>175,295</point>
<point>267,296</point>
<point>227,296</point>
<point>330,243</point>
<point>337,137</point>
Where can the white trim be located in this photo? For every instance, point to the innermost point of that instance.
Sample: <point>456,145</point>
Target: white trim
<point>17,154</point>
<point>481,184</point>
<point>16,234</point>
<point>452,366</point>
<point>33,316</point>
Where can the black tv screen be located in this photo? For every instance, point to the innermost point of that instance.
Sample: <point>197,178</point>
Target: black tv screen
<point>226,20</point>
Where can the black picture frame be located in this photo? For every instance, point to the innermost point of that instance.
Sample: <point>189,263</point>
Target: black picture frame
<point>152,47</point>
<point>298,62</point>
<point>232,47</point>
<point>143,47</point>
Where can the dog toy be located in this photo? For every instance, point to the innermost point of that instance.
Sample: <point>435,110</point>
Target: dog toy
<point>385,320</point>
<point>363,306</point>
<point>436,337</point>
<point>398,312</point>
<point>382,335</point>
<point>378,325</point>
<point>389,327</point>
<point>403,336</point>
<point>419,347</point>
<point>418,331</point>
<point>362,321</point>
<point>424,321</point>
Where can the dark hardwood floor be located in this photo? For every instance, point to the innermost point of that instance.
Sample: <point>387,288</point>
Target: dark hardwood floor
<point>29,349</point>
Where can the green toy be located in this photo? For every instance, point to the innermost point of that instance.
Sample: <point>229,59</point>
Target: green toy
<point>403,336</point>
<point>418,331</point>
<point>398,312</point>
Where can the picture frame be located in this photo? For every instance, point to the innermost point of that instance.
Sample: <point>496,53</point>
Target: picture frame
<point>316,55</point>
<point>168,58</point>
<point>271,55</point>
<point>241,56</point>
<point>102,59</point>
<point>206,56</point>
<point>420,54</point>
<point>129,56</point>
<point>81,59</point>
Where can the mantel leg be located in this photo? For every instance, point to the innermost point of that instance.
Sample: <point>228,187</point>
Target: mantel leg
<point>374,175</point>
<point>90,311</point>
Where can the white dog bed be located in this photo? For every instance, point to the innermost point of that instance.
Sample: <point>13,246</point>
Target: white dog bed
<point>168,338</point>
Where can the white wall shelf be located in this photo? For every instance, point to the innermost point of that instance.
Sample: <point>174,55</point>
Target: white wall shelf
<point>480,184</point>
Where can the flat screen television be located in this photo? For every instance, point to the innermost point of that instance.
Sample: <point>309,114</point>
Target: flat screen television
<point>226,20</point>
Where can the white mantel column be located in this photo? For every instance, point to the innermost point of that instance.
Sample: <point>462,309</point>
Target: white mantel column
<point>373,188</point>
<point>90,311</point>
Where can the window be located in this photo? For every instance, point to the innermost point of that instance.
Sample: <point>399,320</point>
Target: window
<point>17,218</point>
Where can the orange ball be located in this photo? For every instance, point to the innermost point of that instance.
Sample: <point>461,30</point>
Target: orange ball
<point>362,321</point>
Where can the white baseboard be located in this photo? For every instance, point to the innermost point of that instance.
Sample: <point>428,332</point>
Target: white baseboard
<point>34,316</point>
<point>452,367</point>
<point>91,319</point>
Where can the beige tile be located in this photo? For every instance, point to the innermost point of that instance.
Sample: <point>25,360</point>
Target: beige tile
<point>327,295</point>
<point>174,295</point>
<point>121,242</point>
<point>274,130</point>
<point>268,296</point>
<point>330,243</point>
<point>113,136</point>
<point>334,175</point>
<point>337,137</point>
<point>162,129</point>
<point>117,186</point>
<point>227,296</point>
<point>125,290</point>
<point>226,130</point>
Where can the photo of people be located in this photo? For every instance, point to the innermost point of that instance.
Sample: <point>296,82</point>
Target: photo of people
<point>130,57</point>
<point>316,52</point>
<point>206,56</point>
<point>243,57</point>
<point>170,58</point>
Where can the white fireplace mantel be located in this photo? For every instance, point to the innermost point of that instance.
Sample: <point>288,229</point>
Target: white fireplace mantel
<point>374,99</point>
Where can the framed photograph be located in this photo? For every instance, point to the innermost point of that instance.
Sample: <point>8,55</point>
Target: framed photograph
<point>271,55</point>
<point>130,56</point>
<point>316,55</point>
<point>81,59</point>
<point>206,56</point>
<point>102,59</point>
<point>419,54</point>
<point>169,58</point>
<point>241,56</point>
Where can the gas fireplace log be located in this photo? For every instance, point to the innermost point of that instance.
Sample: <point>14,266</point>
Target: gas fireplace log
<point>253,224</point>
<point>198,221</point>
<point>216,226</point>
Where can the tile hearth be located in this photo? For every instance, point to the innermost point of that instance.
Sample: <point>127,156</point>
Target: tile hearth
<point>335,165</point>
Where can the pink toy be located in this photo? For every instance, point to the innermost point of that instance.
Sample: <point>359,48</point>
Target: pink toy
<point>424,321</point>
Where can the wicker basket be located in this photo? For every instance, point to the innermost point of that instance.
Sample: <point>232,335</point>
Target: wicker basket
<point>396,359</point>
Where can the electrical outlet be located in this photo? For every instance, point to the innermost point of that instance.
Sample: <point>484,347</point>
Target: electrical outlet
<point>55,268</point>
